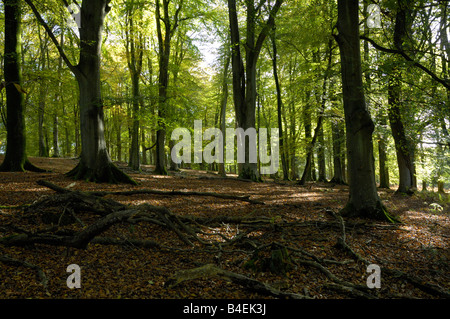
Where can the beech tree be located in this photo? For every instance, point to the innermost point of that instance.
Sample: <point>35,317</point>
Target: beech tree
<point>95,163</point>
<point>363,200</point>
<point>134,45</point>
<point>244,78</point>
<point>15,159</point>
<point>164,45</point>
<point>403,146</point>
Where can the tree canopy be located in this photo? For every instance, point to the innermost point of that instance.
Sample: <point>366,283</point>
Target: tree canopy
<point>161,65</point>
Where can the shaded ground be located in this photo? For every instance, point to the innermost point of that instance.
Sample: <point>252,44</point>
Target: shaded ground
<point>297,217</point>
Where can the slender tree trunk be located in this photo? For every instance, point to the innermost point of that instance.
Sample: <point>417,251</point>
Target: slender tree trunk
<point>363,200</point>
<point>15,157</point>
<point>119,137</point>
<point>170,25</point>
<point>307,172</point>
<point>384,170</point>
<point>293,132</point>
<point>134,160</point>
<point>134,51</point>
<point>43,88</point>
<point>321,156</point>
<point>55,136</point>
<point>279,107</point>
<point>319,129</point>
<point>223,109</point>
<point>43,150</point>
<point>338,177</point>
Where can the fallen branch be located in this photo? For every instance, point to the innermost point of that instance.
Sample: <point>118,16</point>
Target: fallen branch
<point>63,190</point>
<point>160,215</point>
<point>211,270</point>
<point>179,193</point>
<point>78,240</point>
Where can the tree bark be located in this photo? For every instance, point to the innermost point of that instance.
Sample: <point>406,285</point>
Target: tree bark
<point>164,57</point>
<point>244,78</point>
<point>223,109</point>
<point>338,176</point>
<point>95,163</point>
<point>15,159</point>
<point>403,146</point>
<point>284,162</point>
<point>134,52</point>
<point>363,200</point>
<point>319,128</point>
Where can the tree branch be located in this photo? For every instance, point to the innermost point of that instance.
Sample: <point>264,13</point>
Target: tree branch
<point>444,82</point>
<point>55,41</point>
<point>268,26</point>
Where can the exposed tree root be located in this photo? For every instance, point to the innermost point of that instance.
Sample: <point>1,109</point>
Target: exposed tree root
<point>280,259</point>
<point>417,282</point>
<point>210,270</point>
<point>379,212</point>
<point>108,173</point>
<point>17,166</point>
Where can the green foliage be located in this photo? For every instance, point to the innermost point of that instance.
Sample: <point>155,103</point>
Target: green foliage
<point>195,87</point>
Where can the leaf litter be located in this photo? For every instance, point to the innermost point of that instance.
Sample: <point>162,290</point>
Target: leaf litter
<point>239,238</point>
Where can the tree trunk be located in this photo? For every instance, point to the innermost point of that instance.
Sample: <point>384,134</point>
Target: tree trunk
<point>403,146</point>
<point>55,136</point>
<point>384,169</point>
<point>321,156</point>
<point>95,163</point>
<point>338,176</point>
<point>15,157</point>
<point>164,57</point>
<point>363,200</point>
<point>43,88</point>
<point>279,108</point>
<point>244,78</point>
<point>318,131</point>
<point>134,52</point>
<point>223,110</point>
<point>134,160</point>
<point>307,172</point>
<point>43,150</point>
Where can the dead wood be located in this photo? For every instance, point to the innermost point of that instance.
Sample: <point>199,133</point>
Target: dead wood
<point>81,239</point>
<point>78,240</point>
<point>245,198</point>
<point>211,270</point>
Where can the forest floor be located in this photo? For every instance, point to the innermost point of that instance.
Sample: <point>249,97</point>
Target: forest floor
<point>322,255</point>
